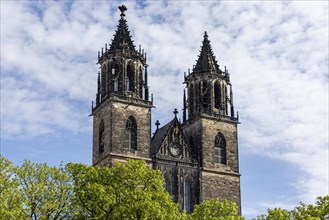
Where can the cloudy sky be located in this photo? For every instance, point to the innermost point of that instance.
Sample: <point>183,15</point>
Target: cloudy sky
<point>276,53</point>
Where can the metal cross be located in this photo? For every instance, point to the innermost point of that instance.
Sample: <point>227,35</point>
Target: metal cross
<point>157,123</point>
<point>175,112</point>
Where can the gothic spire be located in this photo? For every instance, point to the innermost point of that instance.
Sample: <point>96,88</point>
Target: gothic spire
<point>122,38</point>
<point>206,61</point>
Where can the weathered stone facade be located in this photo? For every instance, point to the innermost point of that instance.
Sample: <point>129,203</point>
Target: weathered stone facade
<point>198,157</point>
<point>114,115</point>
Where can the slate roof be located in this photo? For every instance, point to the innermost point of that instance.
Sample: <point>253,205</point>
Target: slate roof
<point>206,61</point>
<point>159,136</point>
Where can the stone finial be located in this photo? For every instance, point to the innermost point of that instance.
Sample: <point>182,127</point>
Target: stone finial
<point>122,8</point>
<point>206,34</point>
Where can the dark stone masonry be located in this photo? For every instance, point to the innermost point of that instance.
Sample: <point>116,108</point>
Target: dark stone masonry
<point>198,156</point>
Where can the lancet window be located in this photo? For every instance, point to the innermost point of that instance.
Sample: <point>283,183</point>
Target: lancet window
<point>101,138</point>
<point>103,81</point>
<point>220,149</point>
<point>217,95</point>
<point>115,76</point>
<point>205,95</point>
<point>187,195</point>
<point>131,126</point>
<point>191,100</point>
<point>130,79</point>
<point>140,82</point>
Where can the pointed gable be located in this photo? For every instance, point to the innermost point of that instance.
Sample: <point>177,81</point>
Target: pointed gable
<point>122,38</point>
<point>169,142</point>
<point>206,61</point>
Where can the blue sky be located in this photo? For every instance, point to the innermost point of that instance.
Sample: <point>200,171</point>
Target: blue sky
<point>276,53</point>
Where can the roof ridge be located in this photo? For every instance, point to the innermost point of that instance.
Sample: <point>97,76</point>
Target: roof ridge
<point>160,134</point>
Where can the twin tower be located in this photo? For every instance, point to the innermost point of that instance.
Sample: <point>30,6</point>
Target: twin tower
<point>198,156</point>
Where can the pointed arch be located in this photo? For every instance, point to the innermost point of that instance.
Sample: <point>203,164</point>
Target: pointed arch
<point>220,149</point>
<point>103,81</point>
<point>120,81</point>
<point>191,100</point>
<point>101,137</point>
<point>109,78</point>
<point>141,83</point>
<point>115,76</point>
<point>217,92</point>
<point>206,95</point>
<point>187,194</point>
<point>225,98</point>
<point>198,97</point>
<point>130,78</point>
<point>131,126</point>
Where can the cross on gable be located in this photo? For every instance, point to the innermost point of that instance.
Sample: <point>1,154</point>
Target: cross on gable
<point>157,123</point>
<point>175,112</point>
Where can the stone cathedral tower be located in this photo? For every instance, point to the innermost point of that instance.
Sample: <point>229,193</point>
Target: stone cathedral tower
<point>198,156</point>
<point>122,115</point>
<point>211,127</point>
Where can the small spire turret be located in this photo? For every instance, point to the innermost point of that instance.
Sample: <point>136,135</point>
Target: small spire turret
<point>122,38</point>
<point>206,61</point>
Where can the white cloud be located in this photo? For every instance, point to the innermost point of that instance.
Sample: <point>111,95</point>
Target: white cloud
<point>276,52</point>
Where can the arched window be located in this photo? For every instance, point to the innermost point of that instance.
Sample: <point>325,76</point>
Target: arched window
<point>225,99</point>
<point>206,96</point>
<point>101,138</point>
<point>130,79</point>
<point>187,195</point>
<point>131,126</point>
<point>191,100</point>
<point>115,76</point>
<point>140,82</point>
<point>198,99</point>
<point>220,149</point>
<point>217,95</point>
<point>109,78</point>
<point>103,81</point>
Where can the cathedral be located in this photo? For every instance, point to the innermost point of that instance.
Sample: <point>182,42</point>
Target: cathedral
<point>197,155</point>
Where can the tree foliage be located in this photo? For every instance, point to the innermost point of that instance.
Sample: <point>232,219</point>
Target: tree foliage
<point>46,190</point>
<point>216,210</point>
<point>301,212</point>
<point>312,212</point>
<point>125,191</point>
<point>11,205</point>
<point>128,190</point>
<point>34,191</point>
<point>276,213</point>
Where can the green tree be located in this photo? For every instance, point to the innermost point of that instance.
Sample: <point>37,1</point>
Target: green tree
<point>216,210</point>
<point>46,191</point>
<point>11,205</point>
<point>301,212</point>
<point>275,214</point>
<point>312,212</point>
<point>126,191</point>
